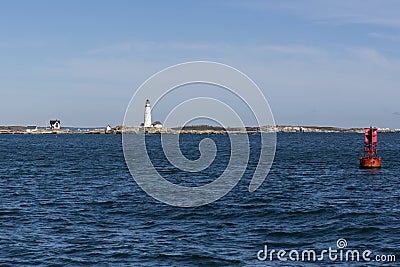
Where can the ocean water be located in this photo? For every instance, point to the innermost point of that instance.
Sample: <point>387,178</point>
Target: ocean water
<point>69,200</point>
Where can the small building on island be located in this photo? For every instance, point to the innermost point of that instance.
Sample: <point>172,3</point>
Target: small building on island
<point>55,124</point>
<point>157,124</point>
<point>108,129</point>
<point>31,129</point>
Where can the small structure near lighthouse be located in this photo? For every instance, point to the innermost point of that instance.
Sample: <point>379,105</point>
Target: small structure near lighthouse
<point>108,129</point>
<point>371,158</point>
<point>157,124</point>
<point>55,124</point>
<point>147,114</point>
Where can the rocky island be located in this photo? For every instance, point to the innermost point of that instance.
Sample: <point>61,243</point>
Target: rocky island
<point>206,129</point>
<point>197,129</point>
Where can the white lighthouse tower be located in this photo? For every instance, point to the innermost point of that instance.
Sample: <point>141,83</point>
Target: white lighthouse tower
<point>147,114</point>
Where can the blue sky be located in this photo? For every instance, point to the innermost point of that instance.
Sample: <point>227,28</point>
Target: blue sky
<point>317,62</point>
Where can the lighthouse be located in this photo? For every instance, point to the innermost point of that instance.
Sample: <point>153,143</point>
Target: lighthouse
<point>147,114</point>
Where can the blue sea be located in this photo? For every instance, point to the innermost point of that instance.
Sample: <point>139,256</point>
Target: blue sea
<point>69,200</point>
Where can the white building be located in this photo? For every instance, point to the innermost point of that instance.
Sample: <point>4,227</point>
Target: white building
<point>157,124</point>
<point>147,114</point>
<point>31,129</point>
<point>55,124</point>
<point>108,129</point>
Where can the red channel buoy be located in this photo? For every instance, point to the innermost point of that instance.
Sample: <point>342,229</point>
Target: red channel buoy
<point>370,159</point>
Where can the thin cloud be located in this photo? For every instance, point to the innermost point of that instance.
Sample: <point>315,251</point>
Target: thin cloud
<point>372,12</point>
<point>146,46</point>
<point>135,46</point>
<point>396,113</point>
<point>382,36</point>
<point>291,49</point>
<point>121,48</point>
<point>370,55</point>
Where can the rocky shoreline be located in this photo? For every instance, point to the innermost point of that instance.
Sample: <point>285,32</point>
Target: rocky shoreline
<point>248,130</point>
<point>202,129</point>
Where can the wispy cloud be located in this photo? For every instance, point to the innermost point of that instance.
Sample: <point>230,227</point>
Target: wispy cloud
<point>134,46</point>
<point>102,70</point>
<point>383,36</point>
<point>372,12</point>
<point>371,56</point>
<point>148,46</point>
<point>396,113</point>
<point>291,49</point>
